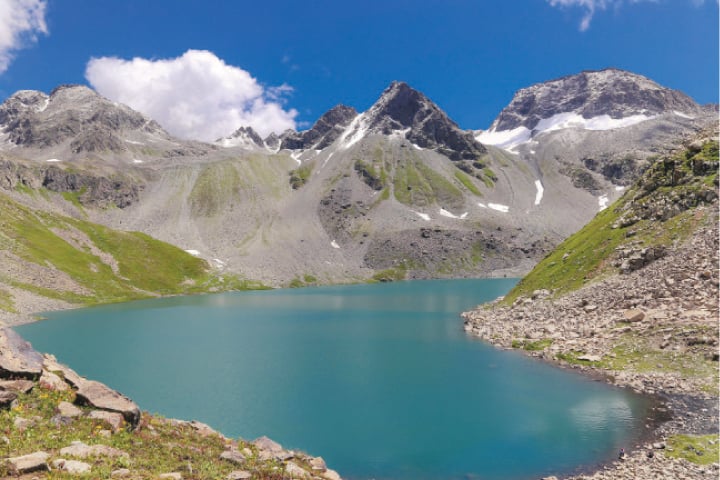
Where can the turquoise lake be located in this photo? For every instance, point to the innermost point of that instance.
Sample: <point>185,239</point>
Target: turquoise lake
<point>380,380</point>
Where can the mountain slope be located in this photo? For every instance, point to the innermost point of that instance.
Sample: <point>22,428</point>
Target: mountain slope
<point>397,191</point>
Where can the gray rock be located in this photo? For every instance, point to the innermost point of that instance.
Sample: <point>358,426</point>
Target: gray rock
<point>28,463</point>
<point>634,315</point>
<point>331,475</point>
<point>67,409</point>
<point>296,471</point>
<point>171,475</point>
<point>120,473</point>
<point>17,357</point>
<point>233,456</point>
<point>115,420</point>
<point>317,463</point>
<point>51,364</point>
<point>239,475</point>
<point>52,382</point>
<point>82,450</point>
<point>100,396</point>
<point>7,398</point>
<point>20,386</point>
<point>73,467</point>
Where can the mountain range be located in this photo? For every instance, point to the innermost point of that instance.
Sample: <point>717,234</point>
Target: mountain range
<point>397,191</point>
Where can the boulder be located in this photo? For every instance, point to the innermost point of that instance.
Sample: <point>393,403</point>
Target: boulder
<point>7,398</point>
<point>171,475</point>
<point>17,357</point>
<point>28,463</point>
<point>590,358</point>
<point>113,419</point>
<point>73,467</point>
<point>81,450</point>
<point>51,364</point>
<point>233,456</point>
<point>634,315</point>
<point>67,409</point>
<point>318,464</point>
<point>331,475</point>
<point>98,395</point>
<point>120,473</point>
<point>19,386</point>
<point>296,471</point>
<point>52,382</point>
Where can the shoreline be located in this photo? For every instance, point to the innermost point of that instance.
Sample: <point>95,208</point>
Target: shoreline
<point>665,407</point>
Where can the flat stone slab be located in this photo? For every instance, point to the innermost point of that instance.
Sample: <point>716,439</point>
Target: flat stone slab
<point>233,456</point>
<point>20,386</point>
<point>81,450</point>
<point>67,409</point>
<point>51,364</point>
<point>29,463</point>
<point>17,357</point>
<point>73,467</point>
<point>296,471</point>
<point>99,395</point>
<point>238,475</point>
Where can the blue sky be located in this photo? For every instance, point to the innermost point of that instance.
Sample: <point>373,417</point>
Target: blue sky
<point>469,56</point>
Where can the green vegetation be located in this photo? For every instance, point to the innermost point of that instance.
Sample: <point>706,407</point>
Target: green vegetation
<point>488,177</point>
<point>584,256</point>
<point>157,446</point>
<point>390,275</point>
<point>536,346</point>
<point>214,189</point>
<point>6,301</point>
<point>103,265</point>
<point>416,184</point>
<point>698,449</point>
<point>467,183</point>
<point>301,175</point>
<point>305,281</point>
<point>374,175</point>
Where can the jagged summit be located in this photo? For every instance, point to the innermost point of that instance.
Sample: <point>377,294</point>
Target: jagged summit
<point>323,133</point>
<point>242,137</point>
<point>404,110</point>
<point>619,94</point>
<point>72,113</point>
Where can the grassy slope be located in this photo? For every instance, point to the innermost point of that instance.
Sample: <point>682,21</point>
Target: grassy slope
<point>145,266</point>
<point>585,255</point>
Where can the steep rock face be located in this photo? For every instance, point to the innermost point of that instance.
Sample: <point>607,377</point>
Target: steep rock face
<point>616,93</point>
<point>403,109</point>
<point>324,132</point>
<point>76,113</point>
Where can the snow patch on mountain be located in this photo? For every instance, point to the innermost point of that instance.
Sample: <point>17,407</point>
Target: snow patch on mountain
<point>539,192</point>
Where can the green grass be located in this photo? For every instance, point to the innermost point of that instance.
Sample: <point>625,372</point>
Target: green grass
<point>698,449</point>
<point>156,446</point>
<point>301,175</point>
<point>416,184</point>
<point>306,281</point>
<point>6,302</point>
<point>145,266</point>
<point>214,189</point>
<point>390,275</point>
<point>586,255</point>
<point>467,183</point>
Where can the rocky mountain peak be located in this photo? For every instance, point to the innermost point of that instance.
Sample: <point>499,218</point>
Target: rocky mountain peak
<point>242,137</point>
<point>593,93</point>
<point>324,132</point>
<point>72,113</point>
<point>404,109</point>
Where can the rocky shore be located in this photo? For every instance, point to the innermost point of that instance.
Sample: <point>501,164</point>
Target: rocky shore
<point>653,329</point>
<point>53,420</point>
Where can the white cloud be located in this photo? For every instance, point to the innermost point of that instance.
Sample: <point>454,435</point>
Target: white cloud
<point>592,6</point>
<point>196,95</point>
<point>20,23</point>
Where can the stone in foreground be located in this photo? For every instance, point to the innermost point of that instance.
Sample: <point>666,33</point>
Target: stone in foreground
<point>17,357</point>
<point>29,463</point>
<point>103,397</point>
<point>73,467</point>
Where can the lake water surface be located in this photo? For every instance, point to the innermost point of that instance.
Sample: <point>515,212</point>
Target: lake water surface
<point>379,379</point>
